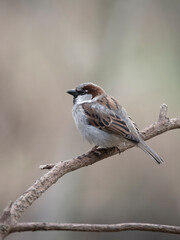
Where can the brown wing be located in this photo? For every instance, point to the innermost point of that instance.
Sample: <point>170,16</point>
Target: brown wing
<point>110,120</point>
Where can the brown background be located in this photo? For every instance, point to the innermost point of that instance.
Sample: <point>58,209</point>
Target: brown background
<point>132,49</point>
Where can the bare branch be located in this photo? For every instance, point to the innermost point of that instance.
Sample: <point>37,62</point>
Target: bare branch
<point>38,226</point>
<point>61,168</point>
<point>51,177</point>
<point>8,221</point>
<point>163,112</point>
<point>46,166</point>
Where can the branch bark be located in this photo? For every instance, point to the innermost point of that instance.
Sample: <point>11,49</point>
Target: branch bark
<point>39,226</point>
<point>8,220</point>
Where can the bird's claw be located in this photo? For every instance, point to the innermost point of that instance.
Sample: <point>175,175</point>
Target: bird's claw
<point>118,149</point>
<point>95,150</point>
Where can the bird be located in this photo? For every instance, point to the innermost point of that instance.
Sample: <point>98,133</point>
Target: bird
<point>102,121</point>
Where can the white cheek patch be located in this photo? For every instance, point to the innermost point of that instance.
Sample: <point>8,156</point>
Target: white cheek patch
<point>83,98</point>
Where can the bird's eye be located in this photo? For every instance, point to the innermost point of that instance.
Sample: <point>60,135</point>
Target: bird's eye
<point>81,91</point>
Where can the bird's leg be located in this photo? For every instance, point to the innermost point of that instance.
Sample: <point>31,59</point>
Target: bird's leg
<point>118,149</point>
<point>95,150</point>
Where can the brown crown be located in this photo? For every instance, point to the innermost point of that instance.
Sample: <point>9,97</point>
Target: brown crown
<point>94,90</point>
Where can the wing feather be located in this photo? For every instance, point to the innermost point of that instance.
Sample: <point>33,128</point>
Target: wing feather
<point>110,119</point>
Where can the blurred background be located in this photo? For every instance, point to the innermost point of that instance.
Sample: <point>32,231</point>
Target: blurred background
<point>132,49</point>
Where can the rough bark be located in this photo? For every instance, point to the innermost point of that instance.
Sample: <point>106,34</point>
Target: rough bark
<point>22,227</point>
<point>10,216</point>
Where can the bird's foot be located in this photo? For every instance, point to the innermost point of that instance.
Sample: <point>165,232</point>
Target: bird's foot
<point>118,149</point>
<point>95,150</point>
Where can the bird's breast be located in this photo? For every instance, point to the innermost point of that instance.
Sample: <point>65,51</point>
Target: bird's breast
<point>90,133</point>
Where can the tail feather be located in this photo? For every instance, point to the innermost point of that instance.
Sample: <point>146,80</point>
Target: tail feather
<point>149,151</point>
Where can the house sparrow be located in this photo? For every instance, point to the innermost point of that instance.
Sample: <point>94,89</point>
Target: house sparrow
<point>101,120</point>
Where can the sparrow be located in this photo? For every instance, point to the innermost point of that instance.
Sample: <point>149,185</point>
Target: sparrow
<point>102,121</point>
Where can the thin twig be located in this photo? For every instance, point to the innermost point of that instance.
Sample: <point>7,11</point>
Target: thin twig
<point>163,112</point>
<point>38,226</point>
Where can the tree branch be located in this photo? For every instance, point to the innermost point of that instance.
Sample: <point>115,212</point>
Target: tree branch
<point>38,226</point>
<point>10,217</point>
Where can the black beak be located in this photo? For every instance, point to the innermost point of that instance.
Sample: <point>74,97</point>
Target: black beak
<point>73,92</point>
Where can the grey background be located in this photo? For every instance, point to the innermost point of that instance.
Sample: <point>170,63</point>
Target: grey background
<point>132,49</point>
